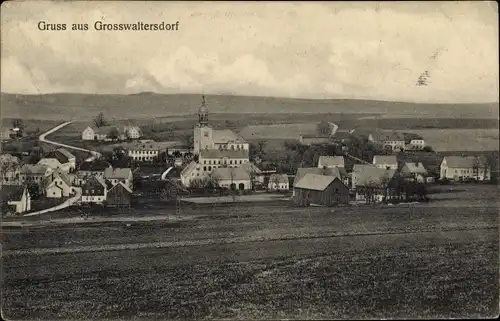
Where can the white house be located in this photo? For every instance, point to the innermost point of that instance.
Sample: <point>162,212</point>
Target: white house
<point>133,132</point>
<point>330,161</point>
<point>34,173</point>
<point>211,159</point>
<point>88,134</point>
<point>232,178</point>
<point>143,150</point>
<point>58,185</point>
<point>16,197</point>
<point>394,141</point>
<point>415,172</point>
<point>116,175</point>
<point>385,162</point>
<point>371,177</point>
<point>58,159</point>
<point>94,190</point>
<point>459,168</point>
<point>88,169</point>
<point>278,182</point>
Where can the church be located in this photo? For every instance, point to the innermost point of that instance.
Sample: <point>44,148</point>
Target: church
<point>216,149</point>
<point>207,138</point>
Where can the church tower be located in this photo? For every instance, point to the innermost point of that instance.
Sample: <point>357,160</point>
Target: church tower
<point>202,130</point>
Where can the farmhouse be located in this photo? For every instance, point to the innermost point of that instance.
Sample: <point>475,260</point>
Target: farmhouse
<point>34,173</point>
<point>120,195</point>
<point>232,178</point>
<point>278,182</point>
<point>57,185</point>
<point>132,132</point>
<point>394,141</point>
<point>206,138</point>
<point>59,159</point>
<point>414,172</point>
<point>314,189</point>
<point>102,133</point>
<point>94,190</point>
<point>373,184</point>
<point>459,168</point>
<point>385,162</point>
<point>92,168</point>
<point>116,175</point>
<point>15,198</point>
<point>335,172</point>
<point>330,161</point>
<point>143,150</point>
<point>413,141</point>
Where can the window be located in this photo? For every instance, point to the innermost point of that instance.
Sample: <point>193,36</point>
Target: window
<point>230,162</point>
<point>204,168</point>
<point>209,168</point>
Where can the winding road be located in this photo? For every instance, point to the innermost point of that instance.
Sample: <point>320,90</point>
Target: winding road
<point>78,191</point>
<point>53,130</point>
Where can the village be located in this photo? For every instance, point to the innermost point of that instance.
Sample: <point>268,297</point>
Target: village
<point>335,167</point>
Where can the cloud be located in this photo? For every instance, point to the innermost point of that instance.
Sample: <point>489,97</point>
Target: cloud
<point>280,49</point>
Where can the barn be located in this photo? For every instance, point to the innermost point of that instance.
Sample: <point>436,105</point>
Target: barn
<point>119,196</point>
<point>314,189</point>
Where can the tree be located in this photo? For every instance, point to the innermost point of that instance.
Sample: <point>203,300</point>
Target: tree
<point>113,133</point>
<point>18,123</point>
<point>187,140</point>
<point>427,149</point>
<point>100,121</point>
<point>323,128</point>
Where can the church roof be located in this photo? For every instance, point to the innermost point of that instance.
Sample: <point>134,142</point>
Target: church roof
<point>216,153</point>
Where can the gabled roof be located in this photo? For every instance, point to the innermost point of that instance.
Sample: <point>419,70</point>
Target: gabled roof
<point>117,173</point>
<point>414,168</point>
<point>216,153</point>
<point>11,192</point>
<point>279,178</point>
<point>331,160</point>
<point>64,177</point>
<point>94,180</point>
<point>188,169</point>
<point>315,182</point>
<point>55,154</point>
<point>411,136</point>
<point>94,166</point>
<point>251,168</point>
<point>301,172</point>
<point>66,153</point>
<point>464,161</point>
<point>37,169</point>
<point>121,185</point>
<point>382,159</point>
<point>228,173</point>
<point>369,175</point>
<point>316,140</point>
<point>225,136</point>
<point>141,145</point>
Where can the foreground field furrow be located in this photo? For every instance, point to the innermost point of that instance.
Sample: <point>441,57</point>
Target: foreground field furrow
<point>365,276</point>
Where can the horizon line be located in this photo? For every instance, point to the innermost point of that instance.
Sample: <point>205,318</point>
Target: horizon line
<point>257,96</point>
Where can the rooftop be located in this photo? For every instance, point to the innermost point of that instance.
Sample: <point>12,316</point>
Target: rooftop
<point>56,154</point>
<point>117,173</point>
<point>331,161</point>
<point>96,165</point>
<point>227,173</point>
<point>383,159</point>
<point>334,172</point>
<point>315,182</point>
<point>279,178</point>
<point>66,153</point>
<point>464,161</point>
<point>369,175</point>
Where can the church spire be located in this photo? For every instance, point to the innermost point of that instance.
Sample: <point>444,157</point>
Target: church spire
<point>203,112</point>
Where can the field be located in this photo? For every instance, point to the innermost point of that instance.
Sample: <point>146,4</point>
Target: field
<point>151,105</point>
<point>266,262</point>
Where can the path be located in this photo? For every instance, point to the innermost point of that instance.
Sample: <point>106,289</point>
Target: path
<point>67,203</point>
<point>53,130</point>
<point>78,191</point>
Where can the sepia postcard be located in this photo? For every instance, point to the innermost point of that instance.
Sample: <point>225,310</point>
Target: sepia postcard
<point>247,160</point>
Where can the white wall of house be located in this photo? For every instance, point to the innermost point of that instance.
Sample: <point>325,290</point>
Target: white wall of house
<point>385,166</point>
<point>465,173</point>
<point>24,204</point>
<point>88,134</point>
<point>143,155</point>
<point>231,146</point>
<point>227,183</point>
<point>417,143</point>
<point>98,199</point>
<point>395,144</point>
<point>273,186</point>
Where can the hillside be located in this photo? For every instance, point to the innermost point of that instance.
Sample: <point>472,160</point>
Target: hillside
<point>149,105</point>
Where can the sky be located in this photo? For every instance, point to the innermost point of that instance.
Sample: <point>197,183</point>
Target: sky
<point>361,50</point>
